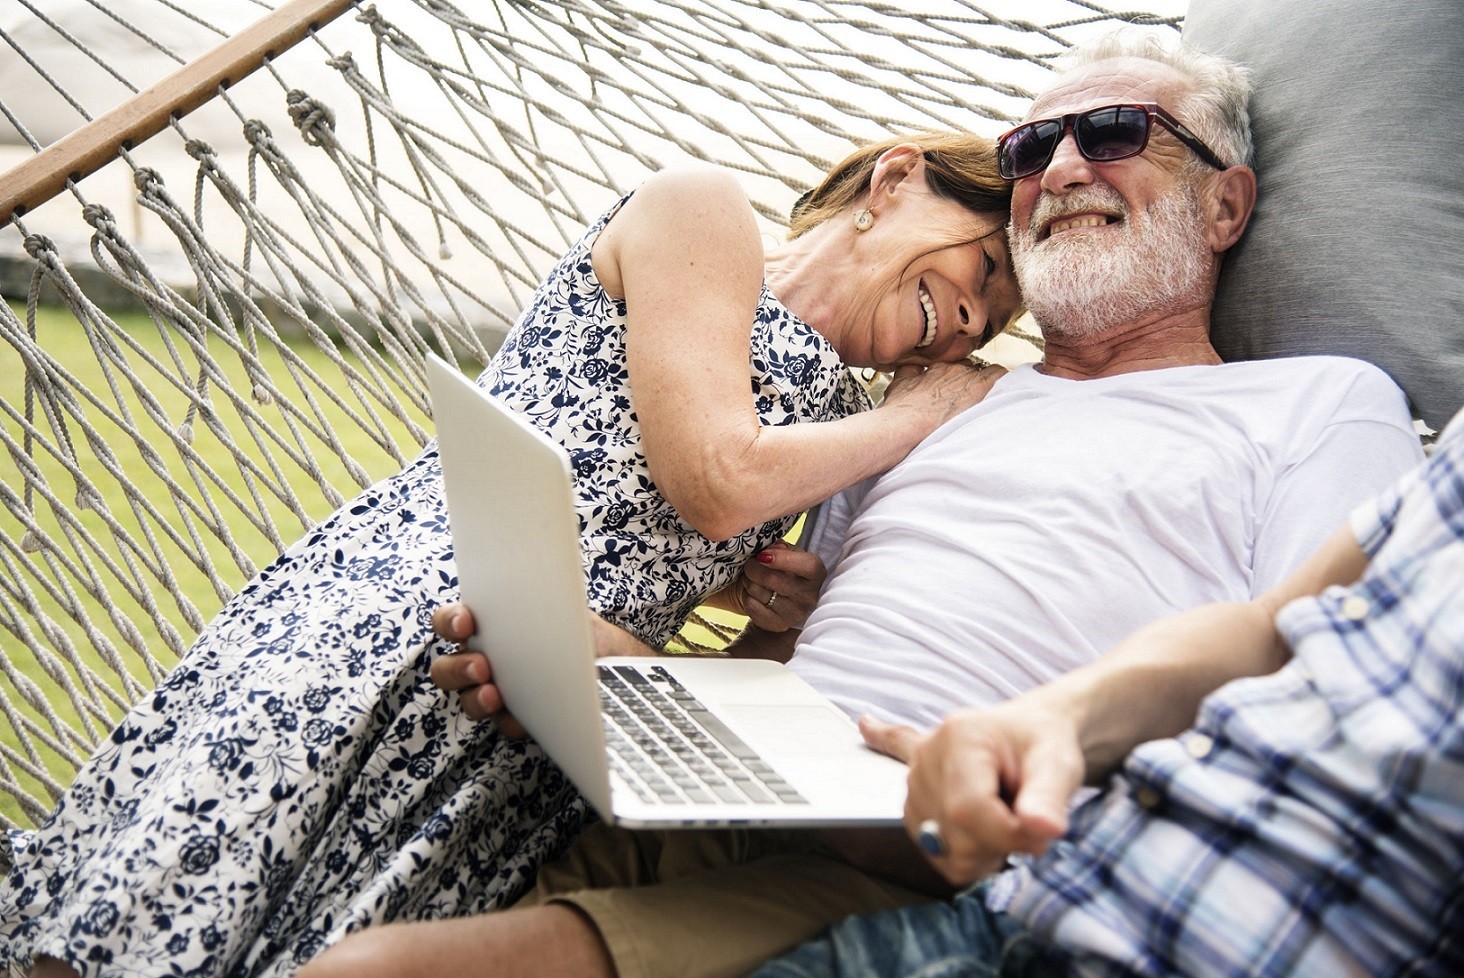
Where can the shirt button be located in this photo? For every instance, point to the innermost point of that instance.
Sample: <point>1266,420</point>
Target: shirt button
<point>1199,746</point>
<point>1355,607</point>
<point>1146,797</point>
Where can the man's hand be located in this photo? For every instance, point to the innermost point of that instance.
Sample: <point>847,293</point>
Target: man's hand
<point>995,781</point>
<point>779,587</point>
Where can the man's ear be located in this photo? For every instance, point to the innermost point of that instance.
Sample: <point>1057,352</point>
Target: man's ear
<point>898,169</point>
<point>1229,202</point>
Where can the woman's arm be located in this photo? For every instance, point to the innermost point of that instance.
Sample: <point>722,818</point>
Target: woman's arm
<point>686,255</point>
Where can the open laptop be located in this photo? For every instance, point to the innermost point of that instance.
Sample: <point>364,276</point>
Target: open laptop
<point>753,743</point>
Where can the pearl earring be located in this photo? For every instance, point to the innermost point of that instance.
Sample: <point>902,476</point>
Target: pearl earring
<point>864,220</point>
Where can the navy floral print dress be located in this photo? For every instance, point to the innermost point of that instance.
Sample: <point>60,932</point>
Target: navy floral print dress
<point>297,776</point>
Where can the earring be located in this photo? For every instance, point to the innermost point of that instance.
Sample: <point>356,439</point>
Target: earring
<point>864,220</point>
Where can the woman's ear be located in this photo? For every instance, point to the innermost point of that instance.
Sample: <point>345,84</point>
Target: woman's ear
<point>898,169</point>
<point>1231,200</point>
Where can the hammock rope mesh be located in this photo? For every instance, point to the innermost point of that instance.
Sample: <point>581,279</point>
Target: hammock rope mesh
<point>217,337</point>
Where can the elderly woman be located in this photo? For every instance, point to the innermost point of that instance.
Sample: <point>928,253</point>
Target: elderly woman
<point>298,776</point>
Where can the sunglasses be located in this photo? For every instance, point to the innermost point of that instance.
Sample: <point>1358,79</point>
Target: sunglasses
<point>1102,135</point>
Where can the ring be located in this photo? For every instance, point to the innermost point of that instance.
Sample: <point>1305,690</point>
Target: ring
<point>772,599</point>
<point>930,838</point>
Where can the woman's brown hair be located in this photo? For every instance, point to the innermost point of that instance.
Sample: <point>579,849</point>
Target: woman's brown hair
<point>959,166</point>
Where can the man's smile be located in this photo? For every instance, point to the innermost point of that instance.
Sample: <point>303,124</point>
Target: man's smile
<point>1076,222</point>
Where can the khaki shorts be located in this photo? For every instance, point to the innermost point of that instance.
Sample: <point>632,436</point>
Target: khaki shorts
<point>708,903</point>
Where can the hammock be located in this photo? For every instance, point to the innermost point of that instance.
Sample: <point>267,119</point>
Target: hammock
<point>228,240</point>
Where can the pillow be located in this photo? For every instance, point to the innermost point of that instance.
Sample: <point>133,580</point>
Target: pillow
<point>1356,246</point>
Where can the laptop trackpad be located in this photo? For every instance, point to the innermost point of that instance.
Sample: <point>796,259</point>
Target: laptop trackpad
<point>795,730</point>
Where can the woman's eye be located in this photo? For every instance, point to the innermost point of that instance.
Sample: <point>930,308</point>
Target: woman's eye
<point>990,264</point>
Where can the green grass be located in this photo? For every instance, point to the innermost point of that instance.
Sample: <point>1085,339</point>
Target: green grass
<point>48,622</point>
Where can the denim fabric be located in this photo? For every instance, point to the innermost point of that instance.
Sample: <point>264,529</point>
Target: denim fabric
<point>961,939</point>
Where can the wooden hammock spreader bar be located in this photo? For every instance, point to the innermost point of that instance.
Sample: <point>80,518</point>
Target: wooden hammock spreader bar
<point>97,143</point>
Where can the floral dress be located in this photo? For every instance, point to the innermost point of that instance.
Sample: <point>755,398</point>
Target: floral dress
<point>297,776</point>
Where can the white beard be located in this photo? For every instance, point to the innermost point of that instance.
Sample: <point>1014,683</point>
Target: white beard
<point>1082,285</point>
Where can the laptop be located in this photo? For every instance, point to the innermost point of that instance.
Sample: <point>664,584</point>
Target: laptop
<point>746,741</point>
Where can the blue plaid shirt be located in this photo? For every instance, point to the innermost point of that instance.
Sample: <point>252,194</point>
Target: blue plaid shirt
<point>1312,822</point>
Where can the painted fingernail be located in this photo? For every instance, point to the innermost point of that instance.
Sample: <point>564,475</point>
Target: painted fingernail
<point>764,558</point>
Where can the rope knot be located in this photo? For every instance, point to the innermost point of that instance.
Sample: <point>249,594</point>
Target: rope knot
<point>148,181</point>
<point>201,151</point>
<point>41,248</point>
<point>87,498</point>
<point>385,30</point>
<point>256,132</point>
<point>315,119</point>
<point>101,219</point>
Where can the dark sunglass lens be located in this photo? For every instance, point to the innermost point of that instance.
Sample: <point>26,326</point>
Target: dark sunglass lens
<point>1028,149</point>
<point>1112,133</point>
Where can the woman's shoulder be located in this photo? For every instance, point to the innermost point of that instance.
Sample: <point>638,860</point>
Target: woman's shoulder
<point>691,223</point>
<point>693,200</point>
<point>694,183</point>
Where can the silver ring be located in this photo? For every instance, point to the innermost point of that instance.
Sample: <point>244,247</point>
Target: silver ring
<point>931,842</point>
<point>772,599</point>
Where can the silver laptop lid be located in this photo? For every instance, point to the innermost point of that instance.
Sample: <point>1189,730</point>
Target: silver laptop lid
<point>515,535</point>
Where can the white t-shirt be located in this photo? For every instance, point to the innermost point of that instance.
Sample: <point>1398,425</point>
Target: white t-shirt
<point>1034,531</point>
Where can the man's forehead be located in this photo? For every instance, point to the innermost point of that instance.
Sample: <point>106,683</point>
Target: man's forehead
<point>1107,83</point>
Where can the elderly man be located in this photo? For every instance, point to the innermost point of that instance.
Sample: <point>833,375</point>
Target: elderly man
<point>1128,476</point>
<point>1310,822</point>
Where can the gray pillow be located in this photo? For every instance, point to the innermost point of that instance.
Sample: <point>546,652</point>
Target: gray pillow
<point>1357,243</point>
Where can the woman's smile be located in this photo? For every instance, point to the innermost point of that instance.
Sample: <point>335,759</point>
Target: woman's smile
<point>931,320</point>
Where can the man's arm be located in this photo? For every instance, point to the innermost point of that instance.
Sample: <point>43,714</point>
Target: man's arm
<point>1364,449</point>
<point>1001,780</point>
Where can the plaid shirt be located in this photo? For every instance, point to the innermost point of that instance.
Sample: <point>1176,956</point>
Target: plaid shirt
<point>1312,822</point>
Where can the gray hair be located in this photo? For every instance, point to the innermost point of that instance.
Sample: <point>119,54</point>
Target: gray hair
<point>1216,108</point>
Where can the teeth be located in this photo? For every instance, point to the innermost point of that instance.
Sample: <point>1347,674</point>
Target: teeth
<point>928,304</point>
<point>1090,221</point>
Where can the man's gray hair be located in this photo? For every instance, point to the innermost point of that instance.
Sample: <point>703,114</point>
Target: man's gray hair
<point>1216,110</point>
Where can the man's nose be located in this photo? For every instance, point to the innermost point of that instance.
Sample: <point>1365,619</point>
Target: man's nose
<point>1068,168</point>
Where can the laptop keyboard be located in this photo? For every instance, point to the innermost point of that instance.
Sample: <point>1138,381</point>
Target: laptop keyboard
<point>670,749</point>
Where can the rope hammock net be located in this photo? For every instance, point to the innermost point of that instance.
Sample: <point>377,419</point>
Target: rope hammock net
<point>215,334</point>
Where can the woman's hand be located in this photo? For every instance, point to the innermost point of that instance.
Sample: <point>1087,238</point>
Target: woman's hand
<point>943,390</point>
<point>468,672</point>
<point>777,588</point>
